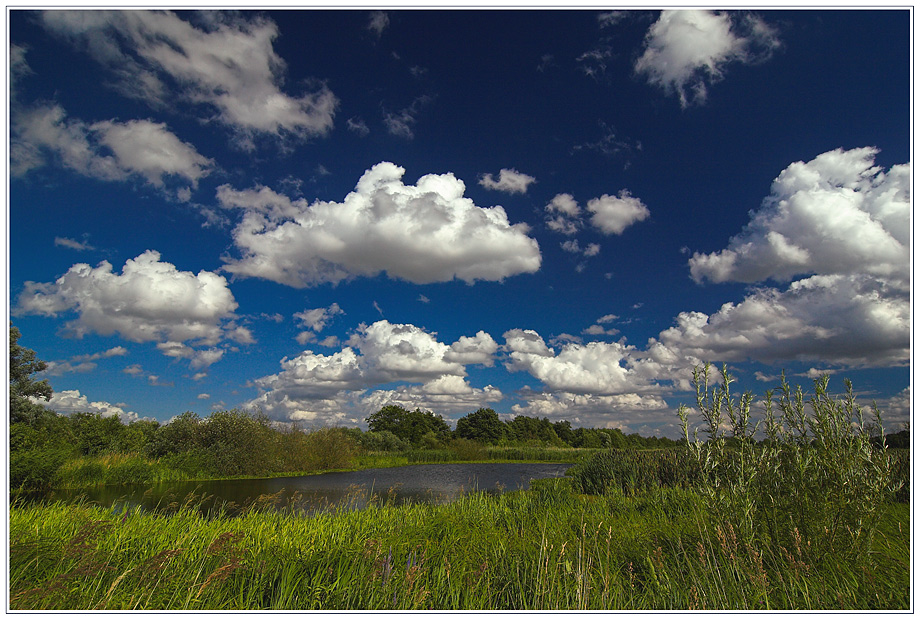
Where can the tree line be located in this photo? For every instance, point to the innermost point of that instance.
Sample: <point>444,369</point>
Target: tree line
<point>420,428</point>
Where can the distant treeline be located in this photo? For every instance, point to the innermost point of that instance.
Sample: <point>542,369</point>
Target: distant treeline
<point>46,446</point>
<point>420,428</point>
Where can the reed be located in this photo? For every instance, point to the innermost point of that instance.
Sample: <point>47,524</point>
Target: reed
<point>634,471</point>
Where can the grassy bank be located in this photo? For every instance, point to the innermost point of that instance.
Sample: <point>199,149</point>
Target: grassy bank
<point>547,548</point>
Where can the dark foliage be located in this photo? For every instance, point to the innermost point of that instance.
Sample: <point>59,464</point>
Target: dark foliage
<point>482,425</point>
<point>410,426</point>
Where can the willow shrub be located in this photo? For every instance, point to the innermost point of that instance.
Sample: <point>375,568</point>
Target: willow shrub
<point>815,478</point>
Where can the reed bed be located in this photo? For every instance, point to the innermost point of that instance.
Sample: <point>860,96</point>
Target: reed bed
<point>546,548</point>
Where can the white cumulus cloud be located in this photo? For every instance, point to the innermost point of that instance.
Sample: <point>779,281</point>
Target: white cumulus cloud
<point>314,386</point>
<point>686,50</point>
<point>317,318</point>
<point>68,402</point>
<point>623,411</point>
<point>836,214</point>
<point>423,233</point>
<point>614,214</point>
<point>589,368</point>
<point>107,150</point>
<point>447,395</point>
<point>609,214</point>
<point>840,224</point>
<point>563,215</point>
<point>149,300</point>
<point>852,320</point>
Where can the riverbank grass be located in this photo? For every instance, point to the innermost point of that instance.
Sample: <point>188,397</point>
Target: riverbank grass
<point>547,548</point>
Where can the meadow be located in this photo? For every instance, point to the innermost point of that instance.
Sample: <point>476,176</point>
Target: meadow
<point>812,515</point>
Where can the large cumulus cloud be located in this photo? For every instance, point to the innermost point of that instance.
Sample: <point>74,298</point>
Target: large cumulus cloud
<point>850,320</point>
<point>68,402</point>
<point>844,224</point>
<point>598,384</point>
<point>150,300</point>
<point>836,214</point>
<point>423,233</point>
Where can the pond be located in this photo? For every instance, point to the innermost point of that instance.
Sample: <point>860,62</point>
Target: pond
<point>433,484</point>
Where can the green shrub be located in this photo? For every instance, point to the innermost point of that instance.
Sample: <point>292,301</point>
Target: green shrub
<point>36,456</point>
<point>330,448</point>
<point>194,463</point>
<point>382,441</point>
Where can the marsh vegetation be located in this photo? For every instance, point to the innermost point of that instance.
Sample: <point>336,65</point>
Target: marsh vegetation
<point>808,508</point>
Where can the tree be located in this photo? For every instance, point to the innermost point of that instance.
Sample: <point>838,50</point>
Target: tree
<point>482,425</point>
<point>528,429</point>
<point>23,364</point>
<point>181,434</point>
<point>563,429</point>
<point>408,425</point>
<point>97,434</point>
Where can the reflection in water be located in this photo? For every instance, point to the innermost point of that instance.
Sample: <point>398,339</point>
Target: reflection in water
<point>431,484</point>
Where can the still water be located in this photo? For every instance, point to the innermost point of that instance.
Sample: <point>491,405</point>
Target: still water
<point>433,484</point>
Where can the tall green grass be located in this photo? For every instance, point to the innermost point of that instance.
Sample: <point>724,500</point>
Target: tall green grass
<point>634,471</point>
<point>546,548</point>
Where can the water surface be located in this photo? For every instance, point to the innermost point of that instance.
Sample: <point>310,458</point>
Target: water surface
<point>433,484</point>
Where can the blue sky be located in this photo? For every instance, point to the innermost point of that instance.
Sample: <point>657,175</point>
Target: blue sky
<point>547,212</point>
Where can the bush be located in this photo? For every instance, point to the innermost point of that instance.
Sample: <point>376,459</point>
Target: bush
<point>240,443</point>
<point>193,463</point>
<point>181,434</point>
<point>382,441</point>
<point>330,448</point>
<point>37,455</point>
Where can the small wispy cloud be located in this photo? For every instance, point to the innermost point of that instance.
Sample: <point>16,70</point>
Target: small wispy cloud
<point>401,123</point>
<point>378,22</point>
<point>358,126</point>
<point>509,180</point>
<point>73,244</point>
